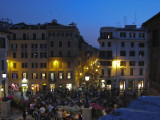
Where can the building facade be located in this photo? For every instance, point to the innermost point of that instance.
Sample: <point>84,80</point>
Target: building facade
<point>123,57</point>
<point>3,57</point>
<point>43,56</point>
<point>153,67</point>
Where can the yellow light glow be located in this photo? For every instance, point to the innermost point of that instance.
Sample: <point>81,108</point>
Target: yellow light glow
<point>116,63</point>
<point>103,80</point>
<point>55,64</point>
<point>80,73</point>
<point>98,66</point>
<point>121,87</point>
<point>96,70</point>
<point>24,80</point>
<point>87,68</point>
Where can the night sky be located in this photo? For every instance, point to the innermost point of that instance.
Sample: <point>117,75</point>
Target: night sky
<point>89,15</point>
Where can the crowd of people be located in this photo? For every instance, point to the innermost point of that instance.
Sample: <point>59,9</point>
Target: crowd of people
<point>49,106</point>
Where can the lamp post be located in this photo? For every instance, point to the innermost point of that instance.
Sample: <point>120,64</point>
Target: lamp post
<point>4,75</point>
<point>86,94</point>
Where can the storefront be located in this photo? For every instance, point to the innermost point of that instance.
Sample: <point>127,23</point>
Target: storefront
<point>140,84</point>
<point>69,86</point>
<point>52,87</point>
<point>35,87</point>
<point>24,87</point>
<point>14,87</point>
<point>131,84</point>
<point>102,83</point>
<point>108,85</point>
<point>44,87</point>
<point>122,84</point>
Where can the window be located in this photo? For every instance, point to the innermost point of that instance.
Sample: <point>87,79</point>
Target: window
<point>43,46</point>
<point>123,34</point>
<point>34,36</point>
<point>69,64</point>
<point>122,72</point>
<point>122,44</point>
<point>2,42</point>
<point>109,35</point>
<point>69,54</point>
<point>14,75</point>
<point>69,43</point>
<point>141,53</point>
<point>24,65</point>
<point>51,35</point>
<point>103,44</point>
<point>60,34</point>
<point>43,54</point>
<point>68,34</point>
<point>52,54</point>
<point>132,44</point>
<point>34,75</point>
<point>2,64</point>
<point>140,71</point>
<point>51,44</point>
<point>23,47</point>
<point>132,63</point>
<point>141,45</point>
<point>60,53</point>
<point>132,35</point>
<point>109,54</point>
<point>69,75</point>
<point>42,65</point>
<point>34,47</point>
<point>60,75</point>
<point>132,53</point>
<point>109,44</point>
<point>52,76</point>
<point>109,72</point>
<point>123,63</point>
<point>43,75</point>
<point>102,72</point>
<point>24,36</point>
<point>34,55</point>
<point>60,43</point>
<point>141,63</point>
<point>122,53</point>
<point>43,36</point>
<point>108,63</point>
<point>14,65</point>
<point>14,47</point>
<point>141,35</point>
<point>34,65</point>
<point>24,75</point>
<point>14,54</point>
<point>102,63</point>
<point>14,36</point>
<point>131,71</point>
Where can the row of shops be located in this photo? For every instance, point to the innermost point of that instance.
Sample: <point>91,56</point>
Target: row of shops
<point>36,87</point>
<point>122,84</point>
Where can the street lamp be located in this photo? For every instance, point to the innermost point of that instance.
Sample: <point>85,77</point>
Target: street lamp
<point>4,75</point>
<point>86,94</point>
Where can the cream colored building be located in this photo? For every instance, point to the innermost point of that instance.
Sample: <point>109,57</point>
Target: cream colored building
<point>123,53</point>
<point>43,57</point>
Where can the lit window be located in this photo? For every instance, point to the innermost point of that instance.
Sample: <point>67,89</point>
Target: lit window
<point>43,76</point>
<point>52,76</point>
<point>69,86</point>
<point>34,76</point>
<point>60,75</point>
<point>69,75</point>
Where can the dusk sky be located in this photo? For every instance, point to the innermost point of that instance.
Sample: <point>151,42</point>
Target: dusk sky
<point>89,15</point>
